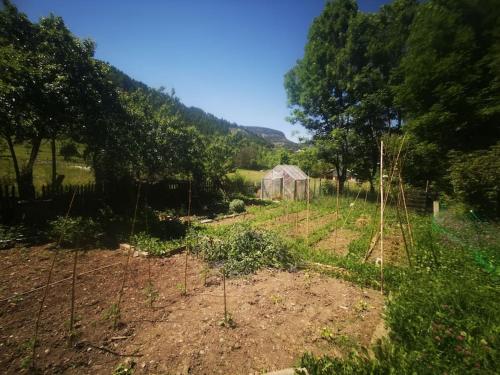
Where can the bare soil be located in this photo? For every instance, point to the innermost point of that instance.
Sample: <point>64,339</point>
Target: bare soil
<point>303,229</point>
<point>337,241</point>
<point>277,315</point>
<point>394,251</point>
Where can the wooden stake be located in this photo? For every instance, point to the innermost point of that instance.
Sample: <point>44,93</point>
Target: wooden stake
<point>46,289</point>
<point>73,281</point>
<point>150,282</point>
<point>394,167</point>
<point>402,229</point>
<point>189,204</point>
<point>125,267</point>
<point>307,213</point>
<point>225,304</point>
<point>374,226</point>
<point>336,214</point>
<point>382,217</point>
<point>185,272</point>
<point>410,232</point>
<point>373,243</point>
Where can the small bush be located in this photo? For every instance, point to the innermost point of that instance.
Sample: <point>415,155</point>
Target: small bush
<point>75,231</point>
<point>328,187</point>
<point>237,206</point>
<point>153,245</point>
<point>244,250</point>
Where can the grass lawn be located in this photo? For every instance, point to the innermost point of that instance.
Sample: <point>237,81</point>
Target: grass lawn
<point>75,171</point>
<point>251,176</point>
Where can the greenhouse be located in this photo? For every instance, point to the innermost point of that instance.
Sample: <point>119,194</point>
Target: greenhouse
<point>284,182</point>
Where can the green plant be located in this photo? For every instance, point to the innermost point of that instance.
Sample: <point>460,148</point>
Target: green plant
<point>151,293</point>
<point>228,322</point>
<point>181,287</point>
<point>124,368</point>
<point>112,313</point>
<point>75,231</point>
<point>442,315</point>
<point>154,245</point>
<point>475,178</point>
<point>244,250</point>
<point>237,206</point>
<point>27,349</point>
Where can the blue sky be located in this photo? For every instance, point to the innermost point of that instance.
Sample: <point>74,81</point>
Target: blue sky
<point>227,57</point>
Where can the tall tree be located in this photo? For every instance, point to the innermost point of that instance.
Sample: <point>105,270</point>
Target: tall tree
<point>54,86</point>
<point>318,85</point>
<point>451,82</point>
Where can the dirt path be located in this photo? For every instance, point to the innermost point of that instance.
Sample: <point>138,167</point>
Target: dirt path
<point>278,316</point>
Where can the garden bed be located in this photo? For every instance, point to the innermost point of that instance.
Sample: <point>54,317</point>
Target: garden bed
<point>277,315</point>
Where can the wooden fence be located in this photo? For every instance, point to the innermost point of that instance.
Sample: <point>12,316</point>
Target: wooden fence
<point>121,197</point>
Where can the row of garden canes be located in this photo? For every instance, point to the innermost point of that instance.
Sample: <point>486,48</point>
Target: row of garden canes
<point>382,200</point>
<point>115,308</point>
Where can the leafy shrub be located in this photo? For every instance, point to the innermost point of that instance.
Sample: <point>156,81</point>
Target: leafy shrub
<point>327,187</point>
<point>153,245</point>
<point>75,231</point>
<point>243,250</point>
<point>69,150</point>
<point>237,205</point>
<point>475,178</point>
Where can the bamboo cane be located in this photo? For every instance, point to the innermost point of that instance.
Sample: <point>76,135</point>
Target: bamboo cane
<point>336,214</point>
<point>125,267</point>
<point>402,229</point>
<point>46,289</point>
<point>307,213</point>
<point>185,272</point>
<point>410,231</point>
<point>382,217</point>
<point>73,282</point>
<point>225,303</point>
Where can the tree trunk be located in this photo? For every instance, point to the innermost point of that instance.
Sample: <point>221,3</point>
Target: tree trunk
<point>341,178</point>
<point>54,166</point>
<point>372,187</point>
<point>26,187</point>
<point>14,160</point>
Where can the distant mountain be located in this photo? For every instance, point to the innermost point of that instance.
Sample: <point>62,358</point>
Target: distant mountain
<point>276,137</point>
<point>207,123</point>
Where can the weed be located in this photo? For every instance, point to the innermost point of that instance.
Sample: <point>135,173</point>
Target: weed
<point>26,349</point>
<point>276,299</point>
<point>228,322</point>
<point>151,293</point>
<point>237,206</point>
<point>124,368</point>
<point>361,306</point>
<point>112,313</point>
<point>181,287</point>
